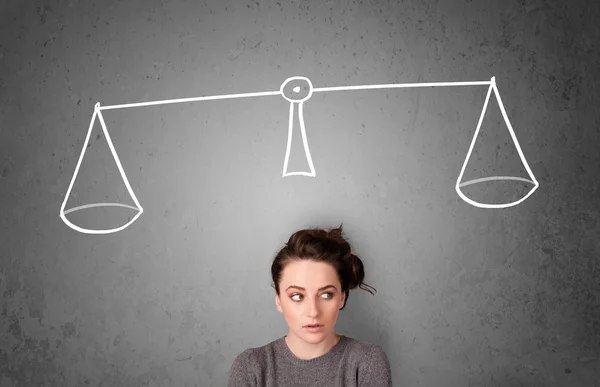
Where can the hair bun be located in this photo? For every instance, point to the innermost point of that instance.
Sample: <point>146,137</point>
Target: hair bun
<point>336,234</point>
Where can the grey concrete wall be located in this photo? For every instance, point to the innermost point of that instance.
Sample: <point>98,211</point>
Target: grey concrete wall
<point>467,296</point>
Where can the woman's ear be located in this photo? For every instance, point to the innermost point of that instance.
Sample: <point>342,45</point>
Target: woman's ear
<point>278,303</point>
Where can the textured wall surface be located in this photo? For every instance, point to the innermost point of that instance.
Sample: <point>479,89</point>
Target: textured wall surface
<point>466,296</point>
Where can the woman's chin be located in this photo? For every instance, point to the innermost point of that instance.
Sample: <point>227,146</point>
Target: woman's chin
<point>314,337</point>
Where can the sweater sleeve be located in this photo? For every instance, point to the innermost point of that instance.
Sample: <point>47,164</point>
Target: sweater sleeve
<point>241,374</point>
<point>375,370</point>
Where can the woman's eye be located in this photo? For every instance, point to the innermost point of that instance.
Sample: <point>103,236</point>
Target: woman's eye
<point>300,295</point>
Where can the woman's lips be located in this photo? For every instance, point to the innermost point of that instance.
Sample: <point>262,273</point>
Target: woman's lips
<point>313,329</point>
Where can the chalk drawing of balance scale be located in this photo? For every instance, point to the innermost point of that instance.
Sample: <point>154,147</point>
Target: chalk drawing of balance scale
<point>300,89</point>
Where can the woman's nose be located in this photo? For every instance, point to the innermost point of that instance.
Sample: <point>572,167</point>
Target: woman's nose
<point>313,307</point>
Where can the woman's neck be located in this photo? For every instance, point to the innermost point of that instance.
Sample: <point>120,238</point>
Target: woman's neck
<point>307,351</point>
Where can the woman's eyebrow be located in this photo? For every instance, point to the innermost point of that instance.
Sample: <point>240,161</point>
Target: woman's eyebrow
<point>301,288</point>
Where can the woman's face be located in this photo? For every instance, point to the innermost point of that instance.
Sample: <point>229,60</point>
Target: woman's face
<point>306,297</point>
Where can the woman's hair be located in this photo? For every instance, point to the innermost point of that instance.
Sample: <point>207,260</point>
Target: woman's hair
<point>327,246</point>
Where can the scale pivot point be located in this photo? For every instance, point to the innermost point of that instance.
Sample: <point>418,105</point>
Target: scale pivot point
<point>296,89</point>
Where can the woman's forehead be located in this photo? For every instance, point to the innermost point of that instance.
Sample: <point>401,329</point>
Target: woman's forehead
<point>309,274</point>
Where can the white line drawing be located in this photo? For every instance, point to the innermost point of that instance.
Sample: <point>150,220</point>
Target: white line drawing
<point>300,114</point>
<point>296,114</point>
<point>516,142</point>
<point>63,213</point>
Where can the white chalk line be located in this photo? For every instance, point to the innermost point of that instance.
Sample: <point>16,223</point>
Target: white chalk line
<point>400,85</point>
<point>491,178</point>
<point>83,207</point>
<point>98,113</point>
<point>292,111</point>
<point>515,141</point>
<point>312,172</point>
<point>194,99</point>
<point>278,92</point>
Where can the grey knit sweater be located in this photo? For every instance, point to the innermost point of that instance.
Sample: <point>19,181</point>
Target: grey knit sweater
<point>350,363</point>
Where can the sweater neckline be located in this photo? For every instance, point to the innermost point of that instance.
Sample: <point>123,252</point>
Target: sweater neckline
<point>289,355</point>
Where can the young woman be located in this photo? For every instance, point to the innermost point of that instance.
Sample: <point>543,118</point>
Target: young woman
<point>312,275</point>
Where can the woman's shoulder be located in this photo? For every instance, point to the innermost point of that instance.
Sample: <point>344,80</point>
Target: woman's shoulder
<point>245,358</point>
<point>373,362</point>
<point>359,344</point>
<point>252,354</point>
<point>363,350</point>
